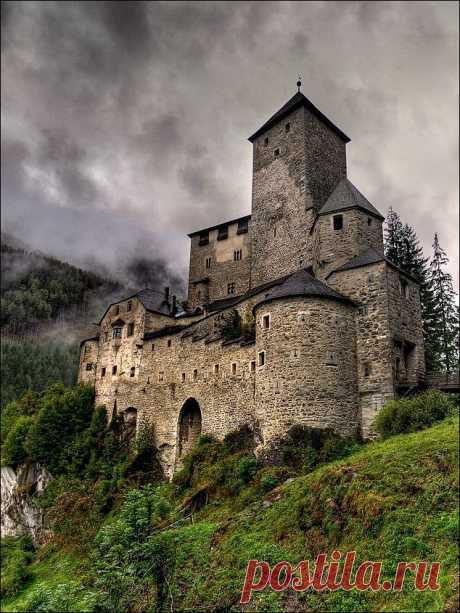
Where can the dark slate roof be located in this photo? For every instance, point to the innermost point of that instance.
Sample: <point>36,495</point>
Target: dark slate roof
<point>224,303</point>
<point>346,196</point>
<point>219,225</point>
<point>371,256</point>
<point>165,331</point>
<point>302,283</point>
<point>291,105</point>
<point>152,299</point>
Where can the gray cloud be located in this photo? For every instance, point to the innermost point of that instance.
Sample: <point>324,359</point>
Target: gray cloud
<point>124,123</point>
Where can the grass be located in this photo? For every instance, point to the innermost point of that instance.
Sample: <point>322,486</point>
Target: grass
<point>390,501</point>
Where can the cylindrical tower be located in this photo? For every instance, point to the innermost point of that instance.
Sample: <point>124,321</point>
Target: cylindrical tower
<point>306,359</point>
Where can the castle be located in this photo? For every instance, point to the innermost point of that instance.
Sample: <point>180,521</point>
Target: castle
<point>293,316</point>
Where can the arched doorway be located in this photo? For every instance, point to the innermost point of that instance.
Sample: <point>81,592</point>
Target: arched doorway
<point>189,427</point>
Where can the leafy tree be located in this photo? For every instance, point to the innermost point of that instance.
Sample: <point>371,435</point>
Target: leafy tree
<point>447,320</point>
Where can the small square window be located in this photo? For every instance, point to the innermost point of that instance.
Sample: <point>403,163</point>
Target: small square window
<point>266,322</point>
<point>161,376</point>
<point>89,366</point>
<point>233,368</point>
<point>337,221</point>
<point>114,370</point>
<point>367,370</point>
<point>369,221</point>
<point>242,226</point>
<point>261,357</point>
<point>331,359</point>
<point>231,288</point>
<point>301,316</point>
<point>183,377</point>
<point>222,233</point>
<point>266,141</point>
<point>195,374</point>
<point>103,371</point>
<point>116,333</point>
<point>362,310</point>
<point>130,329</point>
<point>129,306</point>
<point>276,153</point>
<point>169,342</point>
<point>132,371</point>
<point>216,369</point>
<point>287,127</point>
<point>252,366</point>
<point>204,239</point>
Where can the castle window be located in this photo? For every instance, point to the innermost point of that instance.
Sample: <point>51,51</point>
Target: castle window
<point>274,231</point>
<point>222,233</point>
<point>161,376</point>
<point>103,371</point>
<point>116,332</point>
<point>132,371</point>
<point>153,346</point>
<point>261,358</point>
<point>169,342</point>
<point>367,370</point>
<point>204,238</point>
<point>130,329</point>
<point>337,222</point>
<point>89,366</point>
<point>295,353</point>
<point>276,152</point>
<point>363,310</point>
<point>331,359</point>
<point>231,288</point>
<point>114,370</point>
<point>216,369</point>
<point>129,306</point>
<point>369,221</point>
<point>116,309</point>
<point>234,368</point>
<point>403,287</point>
<point>208,263</point>
<point>287,127</point>
<point>195,374</point>
<point>183,377</point>
<point>266,141</point>
<point>252,366</point>
<point>237,255</point>
<point>242,226</point>
<point>266,322</point>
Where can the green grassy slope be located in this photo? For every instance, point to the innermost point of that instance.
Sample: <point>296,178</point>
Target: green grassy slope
<point>391,501</point>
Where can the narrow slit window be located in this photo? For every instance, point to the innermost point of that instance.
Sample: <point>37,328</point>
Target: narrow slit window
<point>216,369</point>
<point>261,357</point>
<point>237,255</point>
<point>153,346</point>
<point>233,368</point>
<point>276,153</point>
<point>266,322</point>
<point>231,288</point>
<point>161,376</point>
<point>169,342</point>
<point>367,371</point>
<point>129,306</point>
<point>369,221</point>
<point>208,263</point>
<point>266,141</point>
<point>195,374</point>
<point>130,329</point>
<point>183,377</point>
<point>103,371</point>
<point>114,370</point>
<point>132,371</point>
<point>252,366</point>
<point>287,127</point>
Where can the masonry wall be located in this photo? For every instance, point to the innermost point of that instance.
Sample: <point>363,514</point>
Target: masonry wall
<point>287,190</point>
<point>89,355</point>
<point>224,268</point>
<point>309,375</point>
<point>335,247</point>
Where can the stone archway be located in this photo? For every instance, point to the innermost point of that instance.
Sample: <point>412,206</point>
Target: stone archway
<point>189,427</point>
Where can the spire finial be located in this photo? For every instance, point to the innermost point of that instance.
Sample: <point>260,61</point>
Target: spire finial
<point>299,83</point>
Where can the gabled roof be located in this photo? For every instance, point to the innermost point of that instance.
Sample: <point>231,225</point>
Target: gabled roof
<point>302,283</point>
<point>297,101</point>
<point>153,300</point>
<point>346,196</point>
<point>220,225</point>
<point>86,340</point>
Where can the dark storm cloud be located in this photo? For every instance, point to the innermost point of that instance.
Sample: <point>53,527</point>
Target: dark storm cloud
<point>124,124</point>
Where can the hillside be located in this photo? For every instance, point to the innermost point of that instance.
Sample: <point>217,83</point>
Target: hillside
<point>389,501</point>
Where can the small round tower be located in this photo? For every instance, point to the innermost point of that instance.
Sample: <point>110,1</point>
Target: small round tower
<point>306,358</point>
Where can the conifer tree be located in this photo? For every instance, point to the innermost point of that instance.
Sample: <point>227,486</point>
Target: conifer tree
<point>393,237</point>
<point>447,318</point>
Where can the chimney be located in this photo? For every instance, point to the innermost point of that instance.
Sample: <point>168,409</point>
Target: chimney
<point>174,305</point>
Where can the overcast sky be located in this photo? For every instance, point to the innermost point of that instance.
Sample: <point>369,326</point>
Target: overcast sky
<point>125,124</point>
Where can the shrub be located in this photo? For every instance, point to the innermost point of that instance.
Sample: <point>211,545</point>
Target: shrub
<point>17,553</point>
<point>247,468</point>
<point>268,482</point>
<point>14,447</point>
<point>412,414</point>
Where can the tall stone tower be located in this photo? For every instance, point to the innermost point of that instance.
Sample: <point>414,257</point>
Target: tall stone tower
<point>298,159</point>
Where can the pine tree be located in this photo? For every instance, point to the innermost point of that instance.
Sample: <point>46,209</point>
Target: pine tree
<point>393,237</point>
<point>447,317</point>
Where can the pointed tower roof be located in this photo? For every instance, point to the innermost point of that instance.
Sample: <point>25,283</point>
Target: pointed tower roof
<point>346,196</point>
<point>302,283</point>
<point>297,101</point>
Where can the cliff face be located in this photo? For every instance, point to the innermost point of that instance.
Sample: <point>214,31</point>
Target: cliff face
<point>19,490</point>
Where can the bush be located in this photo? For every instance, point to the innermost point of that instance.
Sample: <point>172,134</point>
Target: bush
<point>268,482</point>
<point>247,468</point>
<point>17,553</point>
<point>14,447</point>
<point>412,414</point>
